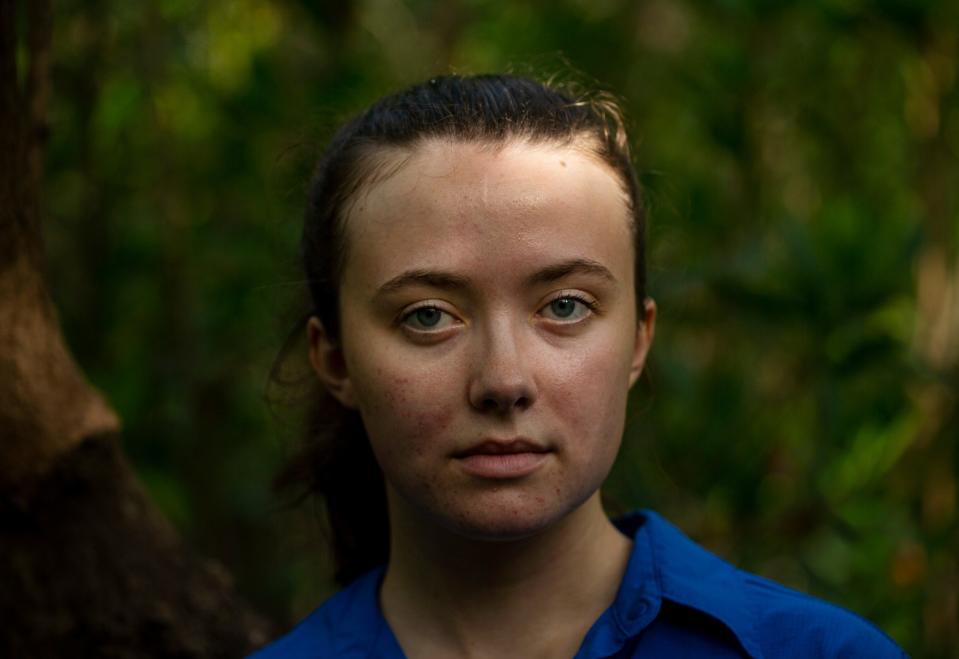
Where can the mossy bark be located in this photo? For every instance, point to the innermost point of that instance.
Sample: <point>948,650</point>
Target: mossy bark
<point>88,565</point>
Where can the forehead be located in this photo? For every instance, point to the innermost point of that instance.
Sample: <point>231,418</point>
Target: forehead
<point>487,210</point>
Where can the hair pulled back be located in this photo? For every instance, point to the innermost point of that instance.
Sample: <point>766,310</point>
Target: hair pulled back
<point>336,461</point>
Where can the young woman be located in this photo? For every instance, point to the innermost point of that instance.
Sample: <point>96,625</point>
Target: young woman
<point>474,248</point>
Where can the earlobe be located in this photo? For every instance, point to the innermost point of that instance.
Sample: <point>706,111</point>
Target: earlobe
<point>326,357</point>
<point>645,331</point>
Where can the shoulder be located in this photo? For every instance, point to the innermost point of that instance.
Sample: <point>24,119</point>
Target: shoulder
<point>790,623</point>
<point>343,626</point>
<point>769,621</point>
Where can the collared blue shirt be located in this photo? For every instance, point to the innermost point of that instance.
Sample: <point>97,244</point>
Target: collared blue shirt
<point>676,600</point>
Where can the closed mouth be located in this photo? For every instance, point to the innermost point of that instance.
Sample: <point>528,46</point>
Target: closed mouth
<point>503,447</point>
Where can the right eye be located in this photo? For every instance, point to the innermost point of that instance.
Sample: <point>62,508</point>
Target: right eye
<point>427,318</point>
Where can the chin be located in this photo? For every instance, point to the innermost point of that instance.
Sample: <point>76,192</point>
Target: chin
<point>496,530</point>
<point>502,514</point>
<point>514,518</point>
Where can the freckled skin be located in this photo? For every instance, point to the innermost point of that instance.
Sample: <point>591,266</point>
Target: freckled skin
<point>493,216</point>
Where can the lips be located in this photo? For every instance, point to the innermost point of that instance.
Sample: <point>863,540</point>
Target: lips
<point>503,459</point>
<point>503,447</point>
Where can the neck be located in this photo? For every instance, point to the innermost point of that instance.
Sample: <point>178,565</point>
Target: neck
<point>446,595</point>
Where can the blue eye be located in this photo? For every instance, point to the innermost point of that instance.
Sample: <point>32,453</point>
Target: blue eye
<point>427,316</point>
<point>567,308</point>
<point>427,319</point>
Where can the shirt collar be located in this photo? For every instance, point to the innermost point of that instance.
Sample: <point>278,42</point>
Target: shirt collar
<point>683,573</point>
<point>664,564</point>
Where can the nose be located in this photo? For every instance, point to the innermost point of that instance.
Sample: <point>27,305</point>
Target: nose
<point>502,380</point>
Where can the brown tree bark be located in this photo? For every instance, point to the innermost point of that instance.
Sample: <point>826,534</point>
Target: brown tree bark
<point>88,566</point>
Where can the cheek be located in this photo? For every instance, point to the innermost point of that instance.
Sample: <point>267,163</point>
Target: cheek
<point>589,394</point>
<point>400,395</point>
<point>404,412</point>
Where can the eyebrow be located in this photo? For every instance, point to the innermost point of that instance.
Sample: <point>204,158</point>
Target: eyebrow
<point>432,278</point>
<point>450,281</point>
<point>571,267</point>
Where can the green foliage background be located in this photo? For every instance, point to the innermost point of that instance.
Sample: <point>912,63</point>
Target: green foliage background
<point>800,412</point>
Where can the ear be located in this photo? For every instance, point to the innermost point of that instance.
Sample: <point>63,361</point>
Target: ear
<point>645,330</point>
<point>328,362</point>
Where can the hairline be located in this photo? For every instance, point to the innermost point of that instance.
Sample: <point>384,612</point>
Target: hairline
<point>377,162</point>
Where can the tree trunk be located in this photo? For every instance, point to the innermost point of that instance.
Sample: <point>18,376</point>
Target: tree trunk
<point>88,566</point>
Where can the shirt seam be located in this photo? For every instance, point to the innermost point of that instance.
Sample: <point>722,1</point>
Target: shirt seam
<point>757,651</point>
<point>642,535</point>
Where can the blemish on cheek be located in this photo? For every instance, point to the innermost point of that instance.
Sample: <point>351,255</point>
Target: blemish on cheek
<point>562,163</point>
<point>432,422</point>
<point>395,395</point>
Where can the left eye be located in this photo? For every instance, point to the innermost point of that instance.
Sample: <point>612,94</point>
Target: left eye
<point>566,309</point>
<point>427,319</point>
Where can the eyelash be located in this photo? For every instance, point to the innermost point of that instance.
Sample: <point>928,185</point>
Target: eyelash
<point>591,305</point>
<point>406,315</point>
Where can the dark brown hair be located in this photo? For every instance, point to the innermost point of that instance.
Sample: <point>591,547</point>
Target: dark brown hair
<point>336,461</point>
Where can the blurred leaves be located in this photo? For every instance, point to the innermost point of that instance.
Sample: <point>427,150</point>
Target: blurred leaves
<point>800,163</point>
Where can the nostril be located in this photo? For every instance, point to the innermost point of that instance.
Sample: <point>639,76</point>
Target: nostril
<point>505,403</point>
<point>501,383</point>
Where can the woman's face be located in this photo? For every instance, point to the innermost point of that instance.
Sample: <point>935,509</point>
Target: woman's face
<point>489,332</point>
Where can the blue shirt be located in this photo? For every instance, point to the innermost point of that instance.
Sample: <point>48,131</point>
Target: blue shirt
<point>676,600</point>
